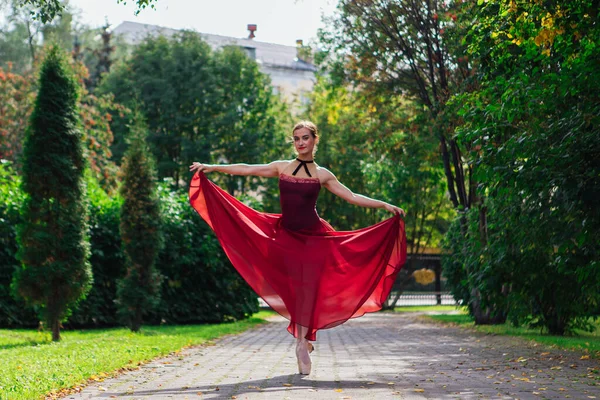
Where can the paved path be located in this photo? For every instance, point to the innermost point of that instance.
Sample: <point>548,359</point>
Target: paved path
<point>379,356</point>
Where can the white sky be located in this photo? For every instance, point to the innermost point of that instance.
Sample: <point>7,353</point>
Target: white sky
<point>278,21</point>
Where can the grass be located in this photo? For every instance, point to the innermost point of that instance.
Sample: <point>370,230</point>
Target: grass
<point>32,366</point>
<point>588,342</point>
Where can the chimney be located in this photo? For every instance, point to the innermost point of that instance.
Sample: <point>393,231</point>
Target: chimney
<point>303,53</point>
<point>252,29</point>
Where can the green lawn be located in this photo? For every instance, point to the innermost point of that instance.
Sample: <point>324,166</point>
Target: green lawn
<point>588,342</point>
<point>31,366</point>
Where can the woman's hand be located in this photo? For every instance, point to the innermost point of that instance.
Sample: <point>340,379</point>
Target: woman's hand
<point>395,210</point>
<point>201,167</point>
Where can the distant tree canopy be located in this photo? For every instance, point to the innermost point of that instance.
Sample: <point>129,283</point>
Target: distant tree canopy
<point>200,105</point>
<point>47,10</point>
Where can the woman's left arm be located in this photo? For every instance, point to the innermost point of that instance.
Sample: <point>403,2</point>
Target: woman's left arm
<point>336,187</point>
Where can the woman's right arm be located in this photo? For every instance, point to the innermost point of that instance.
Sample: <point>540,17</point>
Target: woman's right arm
<point>267,170</point>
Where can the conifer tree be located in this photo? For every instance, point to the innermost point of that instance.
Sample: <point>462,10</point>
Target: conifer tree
<point>139,291</point>
<point>55,272</point>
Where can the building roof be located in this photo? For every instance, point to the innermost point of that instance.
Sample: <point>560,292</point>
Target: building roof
<point>268,54</point>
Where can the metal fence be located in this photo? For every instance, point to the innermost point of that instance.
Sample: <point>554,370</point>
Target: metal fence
<point>424,299</point>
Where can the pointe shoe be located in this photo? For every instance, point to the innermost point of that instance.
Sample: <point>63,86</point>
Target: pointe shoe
<point>304,363</point>
<point>310,347</point>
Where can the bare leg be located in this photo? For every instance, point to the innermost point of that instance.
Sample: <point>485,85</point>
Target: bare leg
<point>304,363</point>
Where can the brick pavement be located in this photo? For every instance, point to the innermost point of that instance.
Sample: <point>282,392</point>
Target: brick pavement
<point>378,356</point>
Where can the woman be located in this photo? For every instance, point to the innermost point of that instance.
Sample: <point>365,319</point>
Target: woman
<point>309,273</point>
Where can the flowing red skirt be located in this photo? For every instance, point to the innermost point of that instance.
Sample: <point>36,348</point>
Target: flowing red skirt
<point>317,279</point>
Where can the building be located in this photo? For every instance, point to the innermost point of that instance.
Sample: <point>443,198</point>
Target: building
<point>291,76</point>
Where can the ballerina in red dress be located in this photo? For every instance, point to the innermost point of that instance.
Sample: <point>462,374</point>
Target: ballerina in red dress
<point>309,273</point>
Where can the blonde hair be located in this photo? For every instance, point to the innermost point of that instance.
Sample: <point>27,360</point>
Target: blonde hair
<point>311,127</point>
<point>308,125</point>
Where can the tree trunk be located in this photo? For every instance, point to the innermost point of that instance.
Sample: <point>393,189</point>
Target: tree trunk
<point>136,321</point>
<point>55,323</point>
<point>556,325</point>
<point>487,316</point>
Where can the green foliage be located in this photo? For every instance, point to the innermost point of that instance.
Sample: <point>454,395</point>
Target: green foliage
<point>200,284</point>
<point>246,127</point>
<point>140,226</point>
<point>533,119</point>
<point>379,145</point>
<point>172,83</point>
<point>474,278</point>
<point>53,244</point>
<point>108,261</point>
<point>199,105</point>
<point>13,312</point>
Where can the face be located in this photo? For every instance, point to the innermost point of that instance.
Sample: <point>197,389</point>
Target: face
<point>304,142</point>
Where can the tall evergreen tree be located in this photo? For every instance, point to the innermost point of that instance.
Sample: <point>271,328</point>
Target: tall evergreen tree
<point>139,291</point>
<point>53,244</point>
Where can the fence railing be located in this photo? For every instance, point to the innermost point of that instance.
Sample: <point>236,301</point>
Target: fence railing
<point>410,299</point>
<point>424,299</point>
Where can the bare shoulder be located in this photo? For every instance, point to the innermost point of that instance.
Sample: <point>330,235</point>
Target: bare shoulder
<point>280,165</point>
<point>325,175</point>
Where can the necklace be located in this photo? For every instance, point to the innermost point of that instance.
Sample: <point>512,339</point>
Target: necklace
<point>303,163</point>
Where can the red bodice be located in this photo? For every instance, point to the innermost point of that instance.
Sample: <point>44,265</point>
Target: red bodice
<point>298,198</point>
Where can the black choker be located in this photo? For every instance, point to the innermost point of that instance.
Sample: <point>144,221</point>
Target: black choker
<point>302,162</point>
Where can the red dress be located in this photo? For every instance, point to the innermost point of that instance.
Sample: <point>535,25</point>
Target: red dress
<point>305,270</point>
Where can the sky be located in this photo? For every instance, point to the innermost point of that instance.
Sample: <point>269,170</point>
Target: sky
<point>278,21</point>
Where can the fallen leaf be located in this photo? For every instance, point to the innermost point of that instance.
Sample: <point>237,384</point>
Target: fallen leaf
<point>584,358</point>
<point>102,388</point>
<point>338,390</point>
<point>287,384</point>
<point>419,390</point>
